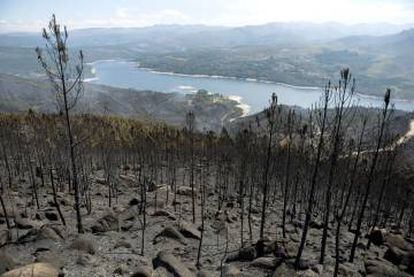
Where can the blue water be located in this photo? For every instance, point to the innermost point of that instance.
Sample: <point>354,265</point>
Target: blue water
<point>255,94</point>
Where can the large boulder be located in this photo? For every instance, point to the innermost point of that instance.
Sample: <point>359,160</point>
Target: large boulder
<point>408,261</point>
<point>284,271</point>
<point>266,262</point>
<point>185,190</point>
<point>164,213</point>
<point>244,254</point>
<point>377,236</point>
<point>108,222</point>
<point>189,231</point>
<point>83,244</point>
<point>231,271</point>
<point>6,262</point>
<point>33,270</point>
<point>43,233</point>
<point>397,241</point>
<point>265,246</point>
<point>172,233</point>
<point>24,223</point>
<point>394,255</point>
<point>171,264</point>
<point>142,271</point>
<point>383,268</point>
<point>4,237</point>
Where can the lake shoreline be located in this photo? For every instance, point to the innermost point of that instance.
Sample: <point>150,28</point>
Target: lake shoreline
<point>366,100</point>
<point>254,80</point>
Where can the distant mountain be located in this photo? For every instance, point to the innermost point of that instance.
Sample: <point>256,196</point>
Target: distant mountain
<point>176,37</point>
<point>400,43</point>
<point>305,54</point>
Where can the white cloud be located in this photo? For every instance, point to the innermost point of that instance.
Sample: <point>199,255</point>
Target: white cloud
<point>122,17</point>
<point>241,12</point>
<point>237,12</point>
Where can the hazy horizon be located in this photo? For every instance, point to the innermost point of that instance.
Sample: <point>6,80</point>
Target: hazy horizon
<point>31,15</point>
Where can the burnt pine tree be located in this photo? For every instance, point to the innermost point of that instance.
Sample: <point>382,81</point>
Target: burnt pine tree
<point>67,82</point>
<point>271,113</point>
<point>309,210</point>
<point>190,121</point>
<point>371,172</point>
<point>343,97</point>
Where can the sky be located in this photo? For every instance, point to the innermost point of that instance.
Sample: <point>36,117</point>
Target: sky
<point>32,15</point>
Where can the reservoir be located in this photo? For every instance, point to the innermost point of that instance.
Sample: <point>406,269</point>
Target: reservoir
<point>254,95</point>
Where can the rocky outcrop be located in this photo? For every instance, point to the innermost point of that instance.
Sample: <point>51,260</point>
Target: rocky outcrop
<point>244,254</point>
<point>142,271</point>
<point>172,233</point>
<point>108,222</point>
<point>4,237</point>
<point>383,268</point>
<point>189,231</point>
<point>266,262</point>
<point>231,271</point>
<point>6,262</point>
<point>171,264</point>
<point>164,213</point>
<point>377,236</point>
<point>33,270</point>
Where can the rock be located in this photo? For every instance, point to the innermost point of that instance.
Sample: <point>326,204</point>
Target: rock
<point>33,270</point>
<point>123,243</point>
<point>159,203</point>
<point>4,237</point>
<point>52,216</point>
<point>23,223</point>
<point>84,260</point>
<point>189,231</point>
<point>128,214</point>
<point>133,202</point>
<point>284,271</point>
<point>108,222</point>
<point>265,246</point>
<point>172,233</point>
<point>318,268</point>
<point>280,252</point>
<point>397,241</point>
<point>161,272</point>
<point>142,271</point>
<point>83,244</point>
<point>185,190</point>
<point>382,268</point>
<point>266,262</point>
<point>316,224</point>
<point>377,236</point>
<point>408,261</point>
<point>244,254</point>
<point>203,273</point>
<point>101,181</point>
<point>394,255</point>
<point>307,273</point>
<point>51,257</point>
<point>164,213</point>
<point>304,264</point>
<point>6,262</point>
<point>128,178</point>
<point>44,233</point>
<point>231,271</point>
<point>171,264</point>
